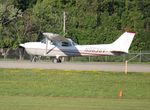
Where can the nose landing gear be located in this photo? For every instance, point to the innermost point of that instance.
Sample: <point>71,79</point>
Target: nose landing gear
<point>34,58</point>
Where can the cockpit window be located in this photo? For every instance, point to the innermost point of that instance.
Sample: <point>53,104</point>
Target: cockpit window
<point>66,44</point>
<point>71,42</point>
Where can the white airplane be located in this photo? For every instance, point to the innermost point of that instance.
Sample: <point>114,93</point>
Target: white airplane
<point>57,46</point>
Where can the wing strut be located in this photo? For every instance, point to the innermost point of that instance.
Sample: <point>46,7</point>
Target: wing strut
<point>46,46</point>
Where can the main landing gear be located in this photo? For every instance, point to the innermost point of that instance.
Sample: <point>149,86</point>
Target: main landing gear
<point>57,60</point>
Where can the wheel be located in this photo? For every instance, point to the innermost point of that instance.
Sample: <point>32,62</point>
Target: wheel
<point>57,60</point>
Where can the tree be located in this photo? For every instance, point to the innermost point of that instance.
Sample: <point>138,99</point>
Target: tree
<point>88,21</point>
<point>24,4</point>
<point>16,27</point>
<point>7,18</point>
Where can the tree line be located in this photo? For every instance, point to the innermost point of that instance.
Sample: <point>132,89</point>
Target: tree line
<point>87,21</point>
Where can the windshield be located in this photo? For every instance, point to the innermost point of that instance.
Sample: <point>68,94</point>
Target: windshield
<point>72,42</point>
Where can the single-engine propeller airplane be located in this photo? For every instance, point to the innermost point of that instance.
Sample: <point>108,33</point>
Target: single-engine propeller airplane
<point>58,46</point>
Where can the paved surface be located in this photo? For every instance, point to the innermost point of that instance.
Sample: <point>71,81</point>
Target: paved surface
<point>76,66</point>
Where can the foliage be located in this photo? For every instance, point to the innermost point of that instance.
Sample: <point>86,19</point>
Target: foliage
<point>7,29</point>
<point>24,4</point>
<point>16,26</point>
<point>87,22</point>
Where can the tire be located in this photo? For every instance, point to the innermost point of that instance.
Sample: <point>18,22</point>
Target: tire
<point>56,60</point>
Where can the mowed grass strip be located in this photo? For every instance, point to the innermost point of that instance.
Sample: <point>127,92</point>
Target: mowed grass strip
<point>65,103</point>
<point>57,83</point>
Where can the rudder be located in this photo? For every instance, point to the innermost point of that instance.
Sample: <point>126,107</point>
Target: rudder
<point>123,43</point>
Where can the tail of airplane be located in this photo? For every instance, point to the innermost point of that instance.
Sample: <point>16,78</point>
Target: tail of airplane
<point>122,44</point>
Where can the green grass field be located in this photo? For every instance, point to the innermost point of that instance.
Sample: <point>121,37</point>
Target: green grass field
<point>35,89</point>
<point>70,103</point>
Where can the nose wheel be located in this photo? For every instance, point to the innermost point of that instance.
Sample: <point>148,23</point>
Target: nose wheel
<point>34,58</point>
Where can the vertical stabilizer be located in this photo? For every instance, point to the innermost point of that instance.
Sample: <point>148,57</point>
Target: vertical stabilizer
<point>123,43</point>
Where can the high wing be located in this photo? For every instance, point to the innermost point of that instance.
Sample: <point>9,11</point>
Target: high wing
<point>58,40</point>
<point>56,37</point>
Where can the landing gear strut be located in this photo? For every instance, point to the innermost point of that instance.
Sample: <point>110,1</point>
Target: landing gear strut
<point>34,58</point>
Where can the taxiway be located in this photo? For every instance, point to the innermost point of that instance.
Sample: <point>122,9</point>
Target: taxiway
<point>92,66</point>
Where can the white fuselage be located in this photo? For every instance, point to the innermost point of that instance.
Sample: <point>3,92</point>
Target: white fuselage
<point>38,48</point>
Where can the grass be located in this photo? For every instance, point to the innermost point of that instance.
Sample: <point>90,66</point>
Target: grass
<point>73,90</point>
<point>63,103</point>
<point>58,83</point>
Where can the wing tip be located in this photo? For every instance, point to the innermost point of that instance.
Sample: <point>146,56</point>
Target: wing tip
<point>130,32</point>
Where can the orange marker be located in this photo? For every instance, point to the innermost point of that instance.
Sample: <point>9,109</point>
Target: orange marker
<point>120,93</point>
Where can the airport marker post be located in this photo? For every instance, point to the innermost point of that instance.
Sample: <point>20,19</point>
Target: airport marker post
<point>126,67</point>
<point>126,63</point>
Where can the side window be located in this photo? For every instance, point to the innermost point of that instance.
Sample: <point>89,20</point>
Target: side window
<point>66,44</point>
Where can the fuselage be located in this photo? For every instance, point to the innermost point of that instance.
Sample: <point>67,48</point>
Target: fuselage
<point>39,48</point>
